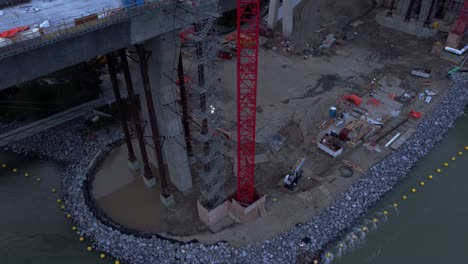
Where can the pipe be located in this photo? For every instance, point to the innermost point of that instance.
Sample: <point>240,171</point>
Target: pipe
<point>392,140</point>
<point>457,51</point>
<point>136,118</point>
<point>152,116</point>
<point>123,117</point>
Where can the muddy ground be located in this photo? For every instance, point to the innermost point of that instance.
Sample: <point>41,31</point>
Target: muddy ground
<point>294,97</point>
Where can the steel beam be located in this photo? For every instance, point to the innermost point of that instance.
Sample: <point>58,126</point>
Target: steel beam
<point>153,120</point>
<point>135,116</point>
<point>123,117</point>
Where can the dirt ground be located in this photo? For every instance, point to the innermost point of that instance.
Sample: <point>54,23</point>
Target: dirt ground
<point>294,97</point>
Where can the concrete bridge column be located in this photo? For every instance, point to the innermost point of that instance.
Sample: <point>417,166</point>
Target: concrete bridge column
<point>404,7</point>
<point>288,18</point>
<point>132,162</point>
<point>162,65</point>
<point>426,11</point>
<point>273,13</point>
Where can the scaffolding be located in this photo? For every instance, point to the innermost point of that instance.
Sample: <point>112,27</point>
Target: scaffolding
<point>200,83</point>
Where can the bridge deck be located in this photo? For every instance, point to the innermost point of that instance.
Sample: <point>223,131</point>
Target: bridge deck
<point>55,11</point>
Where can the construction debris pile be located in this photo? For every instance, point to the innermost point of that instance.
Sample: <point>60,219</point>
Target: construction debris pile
<point>320,230</point>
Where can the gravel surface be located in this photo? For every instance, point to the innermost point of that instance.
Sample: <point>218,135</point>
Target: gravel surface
<point>64,144</point>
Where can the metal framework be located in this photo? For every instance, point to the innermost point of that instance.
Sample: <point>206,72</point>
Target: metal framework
<point>208,145</point>
<point>248,22</point>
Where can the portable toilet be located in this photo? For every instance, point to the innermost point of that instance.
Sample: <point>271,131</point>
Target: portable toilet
<point>127,3</point>
<point>139,2</point>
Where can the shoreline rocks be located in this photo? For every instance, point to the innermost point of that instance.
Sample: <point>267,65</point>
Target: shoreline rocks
<point>65,145</point>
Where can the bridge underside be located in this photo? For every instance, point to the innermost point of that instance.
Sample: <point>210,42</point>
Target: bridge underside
<point>66,52</point>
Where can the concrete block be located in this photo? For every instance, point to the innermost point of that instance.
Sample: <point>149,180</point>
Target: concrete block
<point>246,214</point>
<point>454,40</point>
<point>167,201</point>
<point>151,182</point>
<point>134,166</point>
<point>212,217</point>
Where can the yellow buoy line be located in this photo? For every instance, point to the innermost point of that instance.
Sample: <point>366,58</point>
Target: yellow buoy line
<point>364,229</point>
<point>59,201</point>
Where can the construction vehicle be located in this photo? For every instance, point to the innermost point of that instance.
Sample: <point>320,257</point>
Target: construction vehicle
<point>291,179</point>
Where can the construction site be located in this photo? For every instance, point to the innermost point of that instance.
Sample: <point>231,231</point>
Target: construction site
<point>236,136</point>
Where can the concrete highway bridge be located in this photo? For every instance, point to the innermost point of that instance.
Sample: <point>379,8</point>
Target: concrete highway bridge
<point>149,31</point>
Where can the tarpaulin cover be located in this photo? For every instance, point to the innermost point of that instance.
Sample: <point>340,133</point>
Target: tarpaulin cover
<point>354,98</point>
<point>12,32</point>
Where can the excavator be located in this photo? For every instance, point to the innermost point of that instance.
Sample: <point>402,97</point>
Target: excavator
<point>291,179</point>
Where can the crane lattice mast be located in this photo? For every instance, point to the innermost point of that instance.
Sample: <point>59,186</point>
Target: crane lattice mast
<point>248,24</point>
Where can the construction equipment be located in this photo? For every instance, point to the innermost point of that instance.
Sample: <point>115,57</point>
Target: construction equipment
<point>291,179</point>
<point>248,31</point>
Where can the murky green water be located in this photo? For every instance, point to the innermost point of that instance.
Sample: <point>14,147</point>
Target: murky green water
<point>33,227</point>
<point>431,228</point>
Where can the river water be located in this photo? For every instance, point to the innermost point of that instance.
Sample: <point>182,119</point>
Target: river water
<point>432,224</point>
<point>33,227</point>
<point>430,228</point>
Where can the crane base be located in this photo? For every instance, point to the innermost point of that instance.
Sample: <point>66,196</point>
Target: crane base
<point>247,214</point>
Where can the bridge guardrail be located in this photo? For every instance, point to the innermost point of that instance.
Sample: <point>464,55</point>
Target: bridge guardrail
<point>69,29</point>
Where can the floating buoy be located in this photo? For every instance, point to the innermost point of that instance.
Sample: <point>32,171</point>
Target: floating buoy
<point>341,245</point>
<point>74,228</point>
<point>102,256</point>
<point>38,179</point>
<point>89,248</point>
<point>3,165</point>
<point>439,170</point>
<point>404,197</point>
<point>68,215</point>
<point>385,212</point>
<point>413,190</point>
<point>53,190</point>
<point>453,158</point>
<point>15,170</point>
<point>422,183</point>
<point>274,199</point>
<point>26,174</point>
<point>315,262</point>
<point>59,200</point>
<point>466,148</point>
<point>364,229</point>
<point>395,205</point>
<point>460,153</point>
<point>375,220</point>
<point>81,238</point>
<point>445,164</point>
<point>62,207</point>
<point>118,262</point>
<point>430,177</point>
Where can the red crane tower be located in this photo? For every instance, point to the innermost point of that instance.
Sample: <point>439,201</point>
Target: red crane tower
<point>462,20</point>
<point>248,25</point>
